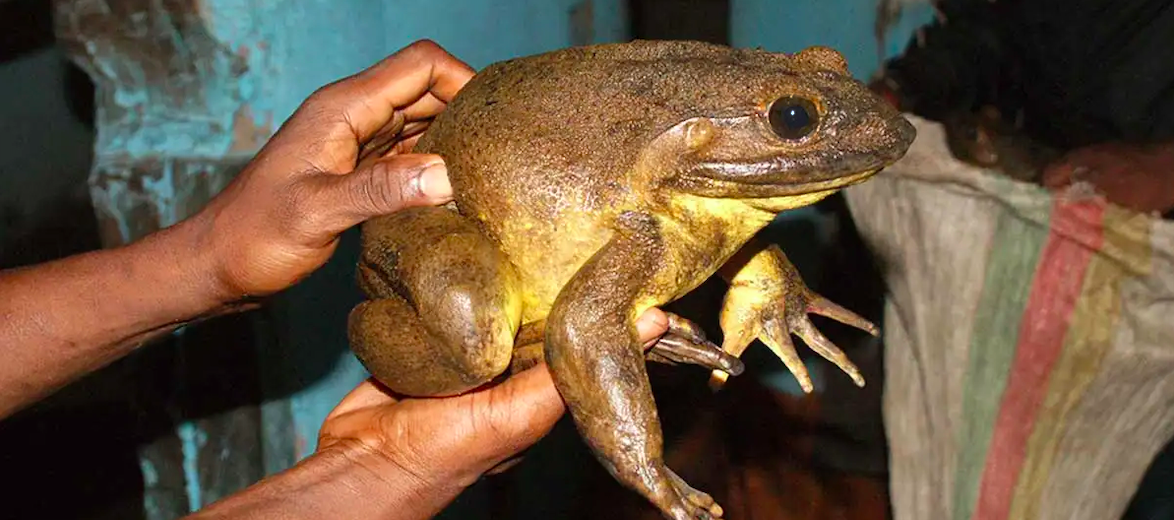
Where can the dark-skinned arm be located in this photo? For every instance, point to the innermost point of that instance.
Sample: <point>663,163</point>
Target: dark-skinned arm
<point>274,224</point>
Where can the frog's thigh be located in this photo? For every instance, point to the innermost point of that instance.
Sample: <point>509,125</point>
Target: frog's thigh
<point>597,361</point>
<point>445,304</point>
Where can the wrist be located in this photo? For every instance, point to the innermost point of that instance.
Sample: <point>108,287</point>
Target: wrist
<point>345,480</point>
<point>394,487</point>
<point>180,264</point>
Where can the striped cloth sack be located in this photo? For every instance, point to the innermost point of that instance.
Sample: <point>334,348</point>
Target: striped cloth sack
<point>1029,363</point>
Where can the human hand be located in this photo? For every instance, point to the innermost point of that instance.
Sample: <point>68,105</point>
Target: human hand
<point>448,443</point>
<point>1137,177</point>
<point>342,158</point>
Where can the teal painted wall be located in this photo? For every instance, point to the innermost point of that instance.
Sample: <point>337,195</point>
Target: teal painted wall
<point>846,25</point>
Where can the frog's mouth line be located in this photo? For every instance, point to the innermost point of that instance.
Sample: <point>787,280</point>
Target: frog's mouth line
<point>755,187</point>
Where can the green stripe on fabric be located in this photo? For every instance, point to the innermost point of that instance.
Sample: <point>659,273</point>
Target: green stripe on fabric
<point>1014,255</point>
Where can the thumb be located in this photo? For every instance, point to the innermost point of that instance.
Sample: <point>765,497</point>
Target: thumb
<point>516,414</point>
<point>386,186</point>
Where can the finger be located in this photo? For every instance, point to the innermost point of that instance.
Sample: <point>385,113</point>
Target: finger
<point>427,107</point>
<point>517,413</point>
<point>407,145</point>
<point>369,393</point>
<point>368,99</point>
<point>382,141</point>
<point>382,187</point>
<point>651,325</point>
<point>394,138</point>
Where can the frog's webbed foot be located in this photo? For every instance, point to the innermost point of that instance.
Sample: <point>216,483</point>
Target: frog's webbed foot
<point>685,343</point>
<point>768,300</point>
<point>677,500</point>
<point>703,504</point>
<point>777,332</point>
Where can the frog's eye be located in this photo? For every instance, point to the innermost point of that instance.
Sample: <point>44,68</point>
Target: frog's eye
<point>793,117</point>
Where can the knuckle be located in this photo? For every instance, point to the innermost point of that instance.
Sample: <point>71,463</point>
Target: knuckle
<point>322,97</point>
<point>380,189</point>
<point>424,47</point>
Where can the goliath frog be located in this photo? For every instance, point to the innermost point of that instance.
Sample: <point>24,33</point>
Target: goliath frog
<point>594,183</point>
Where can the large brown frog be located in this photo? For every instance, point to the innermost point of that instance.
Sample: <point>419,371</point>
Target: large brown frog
<point>592,184</point>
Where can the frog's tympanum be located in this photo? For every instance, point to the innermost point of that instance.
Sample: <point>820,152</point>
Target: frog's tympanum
<point>594,183</point>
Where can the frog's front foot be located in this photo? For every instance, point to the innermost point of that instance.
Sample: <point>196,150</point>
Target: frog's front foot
<point>685,343</point>
<point>768,300</point>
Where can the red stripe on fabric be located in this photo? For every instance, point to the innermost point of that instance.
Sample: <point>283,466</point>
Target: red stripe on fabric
<point>1059,279</point>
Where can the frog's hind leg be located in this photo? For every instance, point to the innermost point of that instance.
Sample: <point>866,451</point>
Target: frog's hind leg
<point>598,365</point>
<point>444,304</point>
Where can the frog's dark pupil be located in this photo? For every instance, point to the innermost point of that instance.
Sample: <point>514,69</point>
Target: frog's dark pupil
<point>796,117</point>
<point>793,118</point>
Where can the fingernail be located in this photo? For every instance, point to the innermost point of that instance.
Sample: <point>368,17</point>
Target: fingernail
<point>434,182</point>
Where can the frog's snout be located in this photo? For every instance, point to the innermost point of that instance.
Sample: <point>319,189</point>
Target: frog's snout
<point>903,133</point>
<point>884,136</point>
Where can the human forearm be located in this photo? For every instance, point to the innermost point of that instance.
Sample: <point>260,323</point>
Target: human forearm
<point>345,481</point>
<point>63,319</point>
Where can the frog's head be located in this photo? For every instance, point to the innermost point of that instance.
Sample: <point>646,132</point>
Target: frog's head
<point>779,131</point>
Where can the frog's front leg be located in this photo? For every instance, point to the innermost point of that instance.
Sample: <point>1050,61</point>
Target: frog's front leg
<point>682,343</point>
<point>597,362</point>
<point>768,300</point>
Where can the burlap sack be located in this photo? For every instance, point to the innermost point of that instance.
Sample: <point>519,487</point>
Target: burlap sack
<point>1029,363</point>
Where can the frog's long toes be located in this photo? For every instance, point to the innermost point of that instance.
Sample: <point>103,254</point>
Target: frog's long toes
<point>778,339</point>
<point>685,328</point>
<point>704,506</point>
<point>673,349</point>
<point>824,307</point>
<point>824,347</point>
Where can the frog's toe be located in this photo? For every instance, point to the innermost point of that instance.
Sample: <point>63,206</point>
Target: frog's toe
<point>800,325</point>
<point>680,501</point>
<point>698,498</point>
<point>817,304</point>
<point>676,348</point>
<point>777,337</point>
